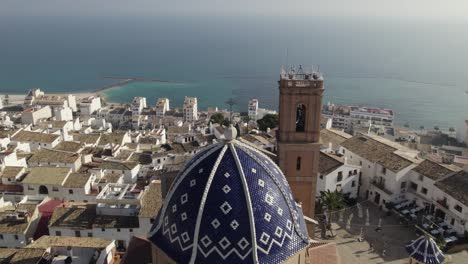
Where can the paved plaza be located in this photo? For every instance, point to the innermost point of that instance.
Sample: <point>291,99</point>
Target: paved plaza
<point>387,243</point>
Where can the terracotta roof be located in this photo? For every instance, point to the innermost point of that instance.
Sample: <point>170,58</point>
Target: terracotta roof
<point>76,180</point>
<point>124,154</point>
<point>151,200</point>
<point>52,156</point>
<point>53,124</point>
<point>5,133</point>
<point>69,146</point>
<point>86,138</point>
<point>95,151</point>
<point>178,130</point>
<point>28,136</point>
<point>21,255</point>
<point>115,165</point>
<point>328,163</point>
<point>319,253</point>
<point>376,152</point>
<point>9,226</point>
<point>110,178</point>
<point>333,136</point>
<point>73,216</point>
<point>65,241</point>
<point>46,175</point>
<point>10,172</point>
<point>432,170</point>
<point>456,186</point>
<point>112,138</point>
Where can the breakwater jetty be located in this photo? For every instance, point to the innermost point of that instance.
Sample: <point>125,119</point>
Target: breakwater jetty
<point>125,80</point>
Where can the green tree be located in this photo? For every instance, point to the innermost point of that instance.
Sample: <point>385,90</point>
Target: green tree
<point>451,129</point>
<point>332,200</point>
<point>436,128</point>
<point>406,125</point>
<point>218,118</point>
<point>421,127</point>
<point>268,121</point>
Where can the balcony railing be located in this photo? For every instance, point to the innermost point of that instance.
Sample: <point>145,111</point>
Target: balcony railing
<point>381,186</point>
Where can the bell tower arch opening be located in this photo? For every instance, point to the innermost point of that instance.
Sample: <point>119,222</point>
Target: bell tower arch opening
<point>300,118</point>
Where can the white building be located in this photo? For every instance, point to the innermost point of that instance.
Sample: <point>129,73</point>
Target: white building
<point>28,141</point>
<point>253,109</point>
<point>441,191</point>
<point>63,114</point>
<point>371,115</point>
<point>121,211</point>
<point>83,220</point>
<point>129,169</point>
<point>78,249</point>
<point>90,105</point>
<point>355,119</point>
<point>138,104</point>
<point>190,109</point>
<point>18,224</point>
<point>335,174</point>
<point>49,157</point>
<point>5,120</point>
<point>162,106</point>
<point>384,166</point>
<point>38,97</point>
<point>34,114</point>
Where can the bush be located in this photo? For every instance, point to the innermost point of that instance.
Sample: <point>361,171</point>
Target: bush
<point>268,121</point>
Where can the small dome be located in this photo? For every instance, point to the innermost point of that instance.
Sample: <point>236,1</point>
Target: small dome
<point>425,250</point>
<point>230,204</point>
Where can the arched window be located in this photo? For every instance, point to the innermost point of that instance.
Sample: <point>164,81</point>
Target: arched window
<point>43,190</point>
<point>298,163</point>
<point>300,118</point>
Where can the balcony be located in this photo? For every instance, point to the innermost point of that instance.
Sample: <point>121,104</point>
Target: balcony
<point>381,186</point>
<point>443,203</point>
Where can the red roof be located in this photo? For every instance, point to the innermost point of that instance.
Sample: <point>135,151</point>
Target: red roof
<point>48,207</point>
<point>11,188</point>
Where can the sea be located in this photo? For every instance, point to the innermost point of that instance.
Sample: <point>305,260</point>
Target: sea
<point>417,67</point>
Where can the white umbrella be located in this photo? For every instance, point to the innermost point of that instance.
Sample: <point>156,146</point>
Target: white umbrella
<point>359,210</point>
<point>367,217</point>
<point>348,224</point>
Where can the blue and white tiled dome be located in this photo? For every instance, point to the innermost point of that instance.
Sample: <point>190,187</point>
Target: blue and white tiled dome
<point>230,204</point>
<point>425,250</point>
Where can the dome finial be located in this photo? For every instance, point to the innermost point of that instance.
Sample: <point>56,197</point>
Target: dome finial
<point>230,133</point>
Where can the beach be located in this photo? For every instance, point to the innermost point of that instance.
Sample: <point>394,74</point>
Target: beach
<point>16,99</point>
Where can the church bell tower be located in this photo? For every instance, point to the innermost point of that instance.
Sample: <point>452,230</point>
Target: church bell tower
<point>300,107</point>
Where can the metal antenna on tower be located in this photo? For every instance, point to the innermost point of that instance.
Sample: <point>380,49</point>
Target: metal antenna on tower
<point>230,102</point>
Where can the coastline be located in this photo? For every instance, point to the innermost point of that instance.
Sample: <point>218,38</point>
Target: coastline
<point>16,99</point>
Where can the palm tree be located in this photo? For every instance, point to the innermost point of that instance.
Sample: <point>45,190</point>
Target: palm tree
<point>332,201</point>
<point>421,127</point>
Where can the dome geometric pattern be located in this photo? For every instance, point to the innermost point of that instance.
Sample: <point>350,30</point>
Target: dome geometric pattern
<point>230,204</point>
<point>425,250</point>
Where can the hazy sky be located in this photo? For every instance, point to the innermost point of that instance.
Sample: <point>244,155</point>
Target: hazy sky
<point>391,8</point>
